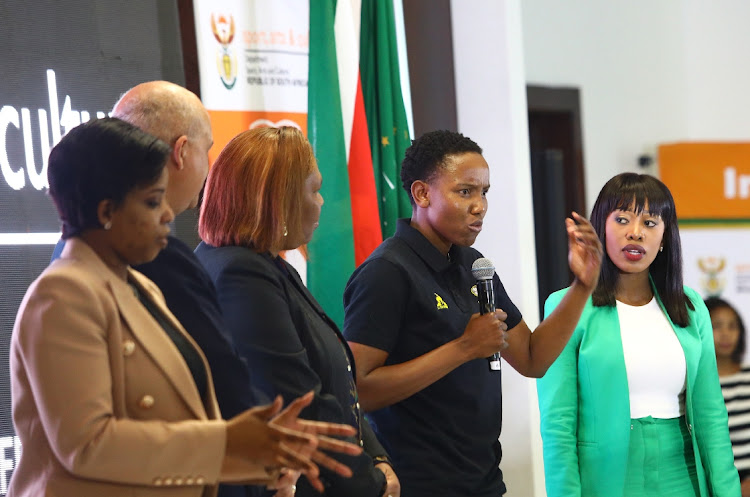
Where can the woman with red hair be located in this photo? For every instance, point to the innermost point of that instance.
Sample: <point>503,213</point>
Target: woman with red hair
<point>262,197</point>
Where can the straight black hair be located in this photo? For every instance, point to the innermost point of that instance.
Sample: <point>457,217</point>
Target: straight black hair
<point>631,192</point>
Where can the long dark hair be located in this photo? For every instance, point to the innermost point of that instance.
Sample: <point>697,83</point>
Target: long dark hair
<point>630,191</point>
<point>714,303</point>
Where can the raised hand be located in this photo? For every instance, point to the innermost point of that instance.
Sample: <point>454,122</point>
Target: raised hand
<point>584,250</point>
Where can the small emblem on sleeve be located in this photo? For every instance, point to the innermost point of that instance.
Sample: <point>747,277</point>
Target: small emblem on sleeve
<point>440,302</point>
<point>474,291</point>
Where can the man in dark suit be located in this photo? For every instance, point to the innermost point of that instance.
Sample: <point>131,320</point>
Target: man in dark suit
<point>177,116</point>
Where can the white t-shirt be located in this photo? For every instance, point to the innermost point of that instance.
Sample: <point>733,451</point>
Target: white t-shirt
<point>654,360</point>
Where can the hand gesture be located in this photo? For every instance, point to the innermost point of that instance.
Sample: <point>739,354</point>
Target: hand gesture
<point>253,439</point>
<point>485,334</point>
<point>584,251</point>
<point>393,486</point>
<point>289,419</point>
<point>286,484</point>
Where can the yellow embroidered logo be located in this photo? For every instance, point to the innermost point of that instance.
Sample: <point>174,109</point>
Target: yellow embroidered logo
<point>474,291</point>
<point>440,302</point>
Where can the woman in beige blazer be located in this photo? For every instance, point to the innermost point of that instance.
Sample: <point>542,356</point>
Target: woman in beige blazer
<point>111,397</point>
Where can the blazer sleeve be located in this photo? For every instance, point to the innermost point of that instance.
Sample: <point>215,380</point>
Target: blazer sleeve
<point>372,445</point>
<point>558,408</point>
<point>709,411</point>
<point>60,359</point>
<point>257,311</point>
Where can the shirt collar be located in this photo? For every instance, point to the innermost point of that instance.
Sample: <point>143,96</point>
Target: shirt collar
<point>423,247</point>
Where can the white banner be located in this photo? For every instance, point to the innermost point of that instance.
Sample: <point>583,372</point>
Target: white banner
<point>253,62</point>
<point>717,263</point>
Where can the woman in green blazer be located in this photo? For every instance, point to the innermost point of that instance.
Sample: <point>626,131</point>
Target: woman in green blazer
<point>633,405</point>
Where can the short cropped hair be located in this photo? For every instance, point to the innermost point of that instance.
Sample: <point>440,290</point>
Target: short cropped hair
<point>714,303</point>
<point>166,110</point>
<point>628,191</point>
<point>254,187</point>
<point>429,152</point>
<point>102,159</point>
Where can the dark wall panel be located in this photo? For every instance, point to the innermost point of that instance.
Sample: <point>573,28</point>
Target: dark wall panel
<point>429,45</point>
<point>83,53</point>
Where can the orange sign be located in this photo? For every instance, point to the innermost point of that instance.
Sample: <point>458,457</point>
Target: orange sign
<point>226,124</point>
<point>709,181</point>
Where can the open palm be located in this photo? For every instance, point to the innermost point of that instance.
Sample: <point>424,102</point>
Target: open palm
<point>584,250</point>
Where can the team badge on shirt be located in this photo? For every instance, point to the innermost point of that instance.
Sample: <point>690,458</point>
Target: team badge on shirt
<point>474,291</point>
<point>440,302</point>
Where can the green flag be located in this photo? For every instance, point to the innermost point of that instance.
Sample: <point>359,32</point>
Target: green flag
<point>331,251</point>
<point>384,106</point>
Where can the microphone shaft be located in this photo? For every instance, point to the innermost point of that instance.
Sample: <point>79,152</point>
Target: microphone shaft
<point>486,297</point>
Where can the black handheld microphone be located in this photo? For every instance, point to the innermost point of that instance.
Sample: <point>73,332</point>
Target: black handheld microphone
<point>483,270</point>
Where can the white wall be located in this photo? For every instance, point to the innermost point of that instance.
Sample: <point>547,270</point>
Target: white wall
<point>649,73</point>
<point>627,60</point>
<point>491,106</point>
<point>717,41</point>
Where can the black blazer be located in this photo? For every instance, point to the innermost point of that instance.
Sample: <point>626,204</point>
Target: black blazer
<point>292,347</point>
<point>191,297</point>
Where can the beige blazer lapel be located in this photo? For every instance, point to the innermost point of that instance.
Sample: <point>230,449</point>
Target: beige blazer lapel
<point>158,345</point>
<point>150,289</point>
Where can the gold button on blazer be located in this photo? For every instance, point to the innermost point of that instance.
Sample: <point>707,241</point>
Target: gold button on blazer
<point>103,402</point>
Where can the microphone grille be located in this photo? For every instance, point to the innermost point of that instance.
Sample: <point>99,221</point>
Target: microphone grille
<point>483,269</point>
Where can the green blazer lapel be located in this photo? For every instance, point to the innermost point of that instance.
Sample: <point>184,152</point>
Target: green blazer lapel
<point>608,377</point>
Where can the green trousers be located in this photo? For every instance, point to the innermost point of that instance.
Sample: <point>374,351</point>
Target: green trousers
<point>661,462</point>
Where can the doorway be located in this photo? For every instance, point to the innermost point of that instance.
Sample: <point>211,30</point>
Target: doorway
<point>557,179</point>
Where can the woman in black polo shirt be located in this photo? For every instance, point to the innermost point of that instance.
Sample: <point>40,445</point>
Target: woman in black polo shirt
<point>420,346</point>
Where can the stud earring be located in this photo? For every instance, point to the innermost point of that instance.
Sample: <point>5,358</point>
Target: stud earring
<point>661,249</point>
<point>108,225</point>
